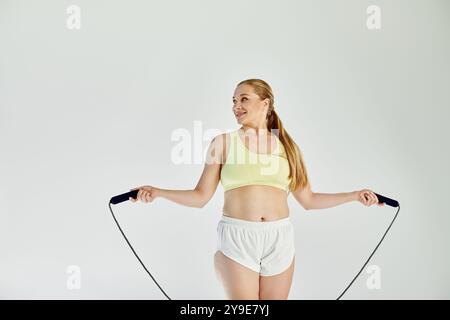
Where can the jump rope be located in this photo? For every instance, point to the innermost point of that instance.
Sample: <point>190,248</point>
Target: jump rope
<point>133,194</point>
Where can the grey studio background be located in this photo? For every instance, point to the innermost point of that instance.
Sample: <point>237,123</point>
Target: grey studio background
<point>89,113</point>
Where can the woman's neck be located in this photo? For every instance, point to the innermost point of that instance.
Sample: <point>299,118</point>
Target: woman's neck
<point>258,130</point>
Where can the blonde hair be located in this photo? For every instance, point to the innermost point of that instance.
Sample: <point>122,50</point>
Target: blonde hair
<point>297,169</point>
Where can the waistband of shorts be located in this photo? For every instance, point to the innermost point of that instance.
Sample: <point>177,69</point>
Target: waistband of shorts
<point>256,224</point>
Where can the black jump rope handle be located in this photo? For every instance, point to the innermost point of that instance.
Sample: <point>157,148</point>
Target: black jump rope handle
<point>124,197</point>
<point>388,201</point>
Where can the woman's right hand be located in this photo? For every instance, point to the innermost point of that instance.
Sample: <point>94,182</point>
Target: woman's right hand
<point>145,194</point>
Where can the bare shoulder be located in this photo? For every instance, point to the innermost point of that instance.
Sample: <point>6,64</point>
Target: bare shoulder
<point>219,147</point>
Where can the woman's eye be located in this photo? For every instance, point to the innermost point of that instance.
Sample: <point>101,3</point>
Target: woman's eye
<point>234,101</point>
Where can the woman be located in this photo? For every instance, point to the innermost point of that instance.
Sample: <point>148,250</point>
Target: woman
<point>258,165</point>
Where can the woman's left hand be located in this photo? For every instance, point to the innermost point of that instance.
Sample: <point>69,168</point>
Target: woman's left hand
<point>367,197</point>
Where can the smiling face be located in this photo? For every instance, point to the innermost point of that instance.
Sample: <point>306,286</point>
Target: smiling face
<point>248,108</point>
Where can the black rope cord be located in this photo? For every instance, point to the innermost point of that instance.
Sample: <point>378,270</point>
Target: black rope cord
<point>337,297</point>
<point>136,254</point>
<point>371,254</point>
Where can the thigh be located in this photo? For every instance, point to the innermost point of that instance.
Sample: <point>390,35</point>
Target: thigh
<point>239,282</point>
<point>279,251</point>
<point>277,287</point>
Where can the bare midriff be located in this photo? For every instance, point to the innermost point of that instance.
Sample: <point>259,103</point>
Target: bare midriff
<point>256,203</point>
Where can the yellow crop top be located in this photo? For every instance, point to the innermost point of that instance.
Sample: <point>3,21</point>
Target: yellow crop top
<point>244,167</point>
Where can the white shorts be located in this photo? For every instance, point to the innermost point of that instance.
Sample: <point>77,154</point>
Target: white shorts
<point>266,247</point>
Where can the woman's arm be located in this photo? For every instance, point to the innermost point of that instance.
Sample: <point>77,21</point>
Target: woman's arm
<point>313,200</point>
<point>188,198</point>
<point>205,187</point>
<point>329,200</point>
